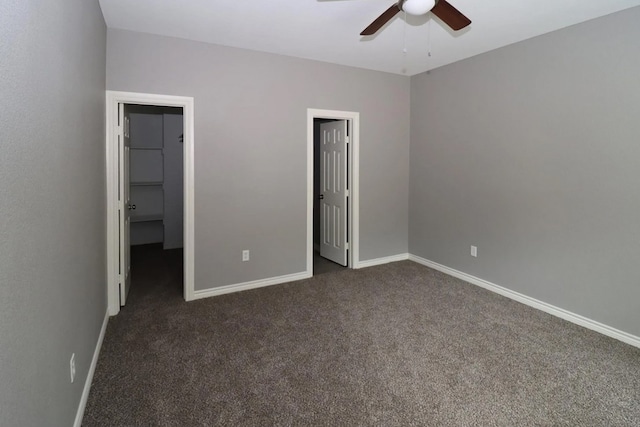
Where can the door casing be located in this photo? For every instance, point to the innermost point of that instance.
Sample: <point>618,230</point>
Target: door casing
<point>113,98</point>
<point>124,204</point>
<point>353,147</point>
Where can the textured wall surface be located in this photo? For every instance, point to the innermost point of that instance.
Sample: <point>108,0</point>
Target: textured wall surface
<point>52,205</point>
<point>173,181</point>
<point>531,152</point>
<point>250,148</point>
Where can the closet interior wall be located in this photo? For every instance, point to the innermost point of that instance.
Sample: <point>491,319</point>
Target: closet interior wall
<point>156,175</point>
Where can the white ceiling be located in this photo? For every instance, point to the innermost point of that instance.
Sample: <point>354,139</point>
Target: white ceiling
<point>328,30</point>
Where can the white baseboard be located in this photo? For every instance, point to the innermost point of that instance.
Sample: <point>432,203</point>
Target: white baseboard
<point>205,293</point>
<point>383,260</point>
<point>92,370</point>
<point>532,302</point>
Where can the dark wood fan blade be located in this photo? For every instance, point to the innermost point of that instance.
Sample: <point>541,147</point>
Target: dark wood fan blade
<point>381,20</point>
<point>450,15</point>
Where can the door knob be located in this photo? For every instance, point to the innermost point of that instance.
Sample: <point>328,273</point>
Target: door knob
<point>321,196</point>
<point>132,207</point>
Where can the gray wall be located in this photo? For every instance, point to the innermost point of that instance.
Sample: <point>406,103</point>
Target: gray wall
<point>147,165</point>
<point>52,205</point>
<point>250,148</point>
<point>532,153</point>
<point>173,180</point>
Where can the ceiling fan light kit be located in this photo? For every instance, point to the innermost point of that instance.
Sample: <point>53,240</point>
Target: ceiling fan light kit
<point>417,7</point>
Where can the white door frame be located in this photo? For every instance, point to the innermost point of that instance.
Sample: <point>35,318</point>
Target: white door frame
<point>353,165</point>
<point>113,98</point>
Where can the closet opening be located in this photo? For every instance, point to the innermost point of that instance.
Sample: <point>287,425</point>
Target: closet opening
<point>150,194</point>
<point>333,140</point>
<point>156,199</point>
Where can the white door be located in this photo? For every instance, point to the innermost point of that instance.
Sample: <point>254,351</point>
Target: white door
<point>333,191</point>
<point>124,203</point>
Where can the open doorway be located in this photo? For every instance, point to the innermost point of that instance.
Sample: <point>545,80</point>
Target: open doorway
<point>332,190</point>
<point>149,193</point>
<point>156,197</point>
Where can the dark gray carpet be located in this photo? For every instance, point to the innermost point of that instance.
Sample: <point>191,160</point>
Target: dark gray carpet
<point>393,345</point>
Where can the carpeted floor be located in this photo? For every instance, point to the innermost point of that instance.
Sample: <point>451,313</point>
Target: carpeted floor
<point>392,345</point>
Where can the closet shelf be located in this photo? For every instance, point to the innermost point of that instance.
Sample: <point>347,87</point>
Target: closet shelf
<point>146,183</point>
<point>145,218</point>
<point>147,148</point>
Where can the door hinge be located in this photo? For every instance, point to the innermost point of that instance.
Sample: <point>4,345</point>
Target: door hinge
<point>346,139</point>
<point>346,193</point>
<point>346,246</point>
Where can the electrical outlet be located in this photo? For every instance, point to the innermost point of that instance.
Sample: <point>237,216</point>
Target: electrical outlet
<point>474,251</point>
<point>72,367</point>
<point>245,255</point>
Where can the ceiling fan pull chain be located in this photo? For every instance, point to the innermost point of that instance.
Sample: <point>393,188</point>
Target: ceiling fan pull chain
<point>404,45</point>
<point>429,37</point>
<point>404,35</point>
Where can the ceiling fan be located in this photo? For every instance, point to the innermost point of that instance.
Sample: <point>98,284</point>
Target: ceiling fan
<point>441,8</point>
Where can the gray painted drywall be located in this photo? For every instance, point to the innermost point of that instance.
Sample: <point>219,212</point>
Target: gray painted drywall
<point>52,205</point>
<point>250,148</point>
<point>146,232</point>
<point>146,126</point>
<point>146,165</point>
<point>531,152</point>
<point>157,127</point>
<point>173,180</point>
